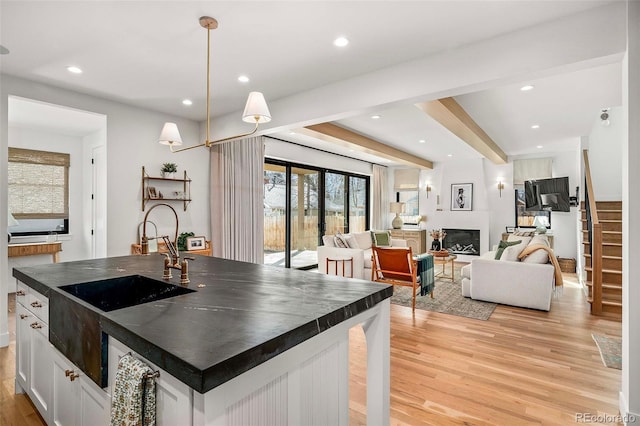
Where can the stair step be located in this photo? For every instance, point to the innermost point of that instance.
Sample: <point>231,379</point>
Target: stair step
<point>607,236</point>
<point>607,225</point>
<point>608,249</point>
<point>608,262</point>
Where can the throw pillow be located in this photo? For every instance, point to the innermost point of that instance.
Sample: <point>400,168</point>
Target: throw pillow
<point>503,245</point>
<point>351,241</point>
<point>340,240</point>
<point>524,233</point>
<point>381,238</point>
<point>328,240</point>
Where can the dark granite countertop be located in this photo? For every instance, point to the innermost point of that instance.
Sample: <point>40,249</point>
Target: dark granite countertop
<point>243,316</point>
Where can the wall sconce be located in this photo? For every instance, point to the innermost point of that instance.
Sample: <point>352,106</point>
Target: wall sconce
<point>500,187</point>
<point>428,188</point>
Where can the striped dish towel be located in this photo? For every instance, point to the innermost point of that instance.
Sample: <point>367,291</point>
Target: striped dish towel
<point>133,402</point>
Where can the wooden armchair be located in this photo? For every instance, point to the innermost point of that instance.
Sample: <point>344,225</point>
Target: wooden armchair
<point>395,266</point>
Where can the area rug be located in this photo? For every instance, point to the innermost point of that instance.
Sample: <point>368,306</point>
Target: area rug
<point>610,350</point>
<point>447,299</point>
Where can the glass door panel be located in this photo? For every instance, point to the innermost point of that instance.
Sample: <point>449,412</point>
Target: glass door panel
<point>275,217</point>
<point>357,204</point>
<point>335,207</point>
<point>304,217</point>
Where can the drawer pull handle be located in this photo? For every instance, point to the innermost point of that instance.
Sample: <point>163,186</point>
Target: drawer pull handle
<point>73,376</point>
<point>67,373</point>
<point>36,325</point>
<point>23,316</point>
<point>36,304</point>
<point>20,293</point>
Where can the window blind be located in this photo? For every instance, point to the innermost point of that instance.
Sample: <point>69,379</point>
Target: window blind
<point>406,179</point>
<point>38,184</point>
<point>531,169</point>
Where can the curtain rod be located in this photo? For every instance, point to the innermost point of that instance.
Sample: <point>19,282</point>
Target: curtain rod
<point>322,150</point>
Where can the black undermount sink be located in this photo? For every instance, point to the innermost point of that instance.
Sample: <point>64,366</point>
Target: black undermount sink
<point>117,293</point>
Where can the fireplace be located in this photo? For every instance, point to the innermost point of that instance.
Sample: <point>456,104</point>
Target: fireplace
<point>462,241</point>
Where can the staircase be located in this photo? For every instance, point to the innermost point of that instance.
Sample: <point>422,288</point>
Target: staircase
<point>609,214</point>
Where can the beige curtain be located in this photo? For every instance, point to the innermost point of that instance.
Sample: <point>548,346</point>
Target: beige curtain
<point>237,220</point>
<point>380,198</point>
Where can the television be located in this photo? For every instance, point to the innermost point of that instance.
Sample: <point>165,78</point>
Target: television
<point>547,194</point>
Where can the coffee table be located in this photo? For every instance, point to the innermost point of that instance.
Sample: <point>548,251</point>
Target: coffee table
<point>443,261</point>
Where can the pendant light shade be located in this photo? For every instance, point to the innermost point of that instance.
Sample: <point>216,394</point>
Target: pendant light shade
<point>256,109</point>
<point>170,135</point>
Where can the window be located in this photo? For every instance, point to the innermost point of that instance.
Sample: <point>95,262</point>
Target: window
<point>38,191</point>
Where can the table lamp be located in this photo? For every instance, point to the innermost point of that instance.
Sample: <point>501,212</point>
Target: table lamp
<point>540,222</point>
<point>397,208</point>
<point>11,221</point>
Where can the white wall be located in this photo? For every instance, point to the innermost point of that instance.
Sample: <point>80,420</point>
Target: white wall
<point>605,151</point>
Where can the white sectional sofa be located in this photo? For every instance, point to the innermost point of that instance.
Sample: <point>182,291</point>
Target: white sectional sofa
<point>359,249</point>
<point>528,283</point>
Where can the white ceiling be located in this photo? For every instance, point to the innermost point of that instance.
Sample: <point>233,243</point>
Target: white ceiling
<point>152,54</point>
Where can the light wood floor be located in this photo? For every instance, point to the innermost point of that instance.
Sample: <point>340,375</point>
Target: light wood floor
<point>519,367</point>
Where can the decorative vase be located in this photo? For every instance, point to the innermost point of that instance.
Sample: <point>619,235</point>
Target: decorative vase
<point>435,245</point>
<point>397,222</point>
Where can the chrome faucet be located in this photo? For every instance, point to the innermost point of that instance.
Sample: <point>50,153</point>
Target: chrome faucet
<point>172,259</point>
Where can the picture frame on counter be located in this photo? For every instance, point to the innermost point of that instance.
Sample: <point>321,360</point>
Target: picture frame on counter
<point>196,243</point>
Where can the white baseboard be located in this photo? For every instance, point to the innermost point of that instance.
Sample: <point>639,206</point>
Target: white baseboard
<point>4,339</point>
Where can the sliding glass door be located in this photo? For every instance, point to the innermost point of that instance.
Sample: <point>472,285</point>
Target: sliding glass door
<point>295,216</point>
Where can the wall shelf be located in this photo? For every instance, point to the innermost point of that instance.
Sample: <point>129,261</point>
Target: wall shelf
<point>152,193</point>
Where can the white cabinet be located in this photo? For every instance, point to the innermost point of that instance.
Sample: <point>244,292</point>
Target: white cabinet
<point>60,391</point>
<point>76,399</point>
<point>174,399</point>
<point>33,350</point>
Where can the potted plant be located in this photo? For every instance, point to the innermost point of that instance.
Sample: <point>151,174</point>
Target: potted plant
<point>169,170</point>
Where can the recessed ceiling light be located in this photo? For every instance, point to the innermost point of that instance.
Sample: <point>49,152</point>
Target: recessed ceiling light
<point>526,88</point>
<point>187,102</point>
<point>422,141</point>
<point>243,79</point>
<point>535,126</point>
<point>340,42</point>
<point>449,155</point>
<point>292,133</point>
<point>375,117</point>
<point>539,146</point>
<point>74,70</point>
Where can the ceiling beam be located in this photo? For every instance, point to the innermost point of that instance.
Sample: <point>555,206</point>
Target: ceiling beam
<point>453,117</point>
<point>329,132</point>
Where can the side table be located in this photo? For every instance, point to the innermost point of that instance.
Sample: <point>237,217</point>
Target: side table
<point>343,261</point>
<point>443,261</point>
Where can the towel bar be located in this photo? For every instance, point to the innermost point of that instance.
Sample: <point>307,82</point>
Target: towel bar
<point>148,375</point>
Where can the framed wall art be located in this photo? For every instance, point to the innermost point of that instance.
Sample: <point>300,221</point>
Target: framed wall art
<point>461,196</point>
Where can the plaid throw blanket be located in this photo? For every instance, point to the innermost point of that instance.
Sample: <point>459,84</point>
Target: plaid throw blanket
<point>133,402</point>
<point>425,272</point>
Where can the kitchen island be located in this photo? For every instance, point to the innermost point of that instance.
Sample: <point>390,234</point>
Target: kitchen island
<point>246,342</point>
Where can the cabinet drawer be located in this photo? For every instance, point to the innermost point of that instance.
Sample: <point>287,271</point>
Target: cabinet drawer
<point>22,293</point>
<point>38,305</point>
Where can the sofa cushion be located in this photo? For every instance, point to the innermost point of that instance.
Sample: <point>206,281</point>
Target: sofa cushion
<point>466,271</point>
<point>363,239</point>
<point>381,238</point>
<point>503,245</point>
<point>538,256</point>
<point>351,241</point>
<point>327,240</point>
<point>511,253</point>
